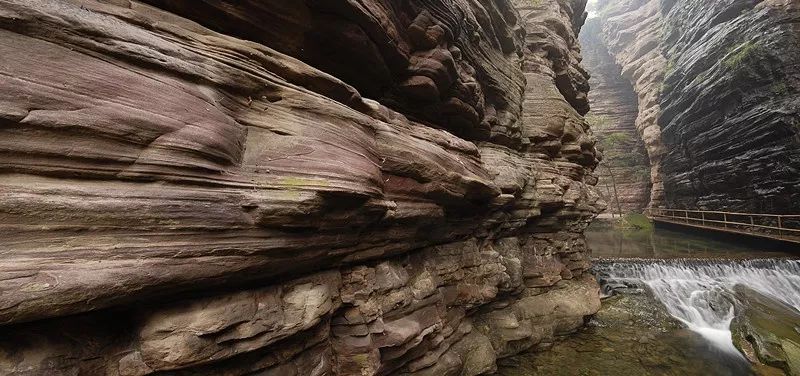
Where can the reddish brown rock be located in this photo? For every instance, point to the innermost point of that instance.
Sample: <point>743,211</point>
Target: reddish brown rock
<point>205,188</point>
<point>632,33</point>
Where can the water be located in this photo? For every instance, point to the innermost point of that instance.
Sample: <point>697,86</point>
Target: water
<point>680,304</point>
<point>607,242</point>
<point>700,293</point>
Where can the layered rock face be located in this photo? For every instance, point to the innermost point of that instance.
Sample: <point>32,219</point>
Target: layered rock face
<point>625,169</point>
<point>631,32</point>
<point>292,188</point>
<point>717,83</point>
<point>730,109</point>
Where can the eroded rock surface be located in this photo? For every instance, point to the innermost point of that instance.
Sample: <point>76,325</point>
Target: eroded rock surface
<point>632,34</point>
<point>717,85</point>
<point>299,188</point>
<point>732,115</point>
<point>625,170</point>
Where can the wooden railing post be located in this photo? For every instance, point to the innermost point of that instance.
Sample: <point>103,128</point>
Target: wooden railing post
<point>686,216</point>
<point>780,226</point>
<point>725,219</point>
<point>703,218</point>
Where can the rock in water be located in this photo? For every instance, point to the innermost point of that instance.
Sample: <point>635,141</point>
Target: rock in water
<point>291,188</point>
<point>767,331</point>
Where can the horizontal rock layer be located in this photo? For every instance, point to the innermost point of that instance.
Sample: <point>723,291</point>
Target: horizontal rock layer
<point>732,114</point>
<point>631,32</point>
<point>625,169</point>
<point>204,187</point>
<point>718,110</point>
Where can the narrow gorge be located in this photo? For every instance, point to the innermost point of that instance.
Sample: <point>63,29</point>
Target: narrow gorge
<point>716,86</point>
<point>396,187</point>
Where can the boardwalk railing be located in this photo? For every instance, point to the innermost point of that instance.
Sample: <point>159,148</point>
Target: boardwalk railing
<point>779,226</point>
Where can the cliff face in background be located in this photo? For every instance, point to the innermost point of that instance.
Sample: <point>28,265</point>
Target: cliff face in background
<point>625,169</point>
<point>298,188</point>
<point>731,110</point>
<point>631,32</point>
<point>717,83</point>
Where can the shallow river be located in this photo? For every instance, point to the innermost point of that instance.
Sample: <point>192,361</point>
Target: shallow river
<point>677,304</point>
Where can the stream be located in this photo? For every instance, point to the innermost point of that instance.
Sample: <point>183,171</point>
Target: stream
<point>680,304</point>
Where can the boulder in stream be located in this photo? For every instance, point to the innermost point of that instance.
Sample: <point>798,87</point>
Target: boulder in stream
<point>767,331</point>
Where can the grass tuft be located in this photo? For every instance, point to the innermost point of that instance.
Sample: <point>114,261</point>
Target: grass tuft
<point>743,52</point>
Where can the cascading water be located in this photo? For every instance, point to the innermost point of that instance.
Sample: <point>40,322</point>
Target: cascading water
<point>700,293</point>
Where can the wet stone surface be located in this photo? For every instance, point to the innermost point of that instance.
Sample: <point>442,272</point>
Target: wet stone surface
<point>630,335</point>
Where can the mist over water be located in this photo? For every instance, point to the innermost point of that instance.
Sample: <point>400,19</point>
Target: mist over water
<point>700,293</point>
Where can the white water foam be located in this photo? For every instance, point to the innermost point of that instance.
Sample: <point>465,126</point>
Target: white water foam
<point>700,293</point>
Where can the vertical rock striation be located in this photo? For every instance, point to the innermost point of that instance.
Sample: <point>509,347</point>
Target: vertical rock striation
<point>299,188</point>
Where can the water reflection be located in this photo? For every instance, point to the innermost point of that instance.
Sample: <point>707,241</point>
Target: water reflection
<point>609,242</point>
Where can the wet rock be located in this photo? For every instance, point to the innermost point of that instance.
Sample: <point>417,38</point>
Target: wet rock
<point>611,344</point>
<point>767,331</point>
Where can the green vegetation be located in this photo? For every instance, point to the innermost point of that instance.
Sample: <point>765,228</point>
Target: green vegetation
<point>779,88</point>
<point>642,173</point>
<point>634,221</point>
<point>615,139</point>
<point>597,121</point>
<point>743,52</point>
<point>669,67</point>
<point>632,159</point>
<point>702,76</point>
<point>664,89</point>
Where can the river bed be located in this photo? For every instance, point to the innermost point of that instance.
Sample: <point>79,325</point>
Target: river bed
<point>680,304</point>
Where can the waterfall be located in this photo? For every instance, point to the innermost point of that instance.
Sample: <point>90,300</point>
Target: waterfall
<point>699,292</point>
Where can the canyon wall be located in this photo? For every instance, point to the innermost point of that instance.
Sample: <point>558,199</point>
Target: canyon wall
<point>717,84</point>
<point>631,32</point>
<point>295,188</point>
<point>625,169</point>
<point>730,107</point>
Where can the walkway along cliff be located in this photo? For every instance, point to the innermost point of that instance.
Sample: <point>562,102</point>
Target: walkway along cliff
<point>361,187</point>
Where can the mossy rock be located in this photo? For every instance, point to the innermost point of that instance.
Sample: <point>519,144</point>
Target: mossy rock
<point>634,221</point>
<point>769,329</point>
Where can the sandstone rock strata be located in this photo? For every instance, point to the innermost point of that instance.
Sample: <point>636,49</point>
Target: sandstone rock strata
<point>631,31</point>
<point>625,169</point>
<point>205,188</point>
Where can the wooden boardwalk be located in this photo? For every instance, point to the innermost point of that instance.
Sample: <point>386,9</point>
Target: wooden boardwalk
<point>782,228</point>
